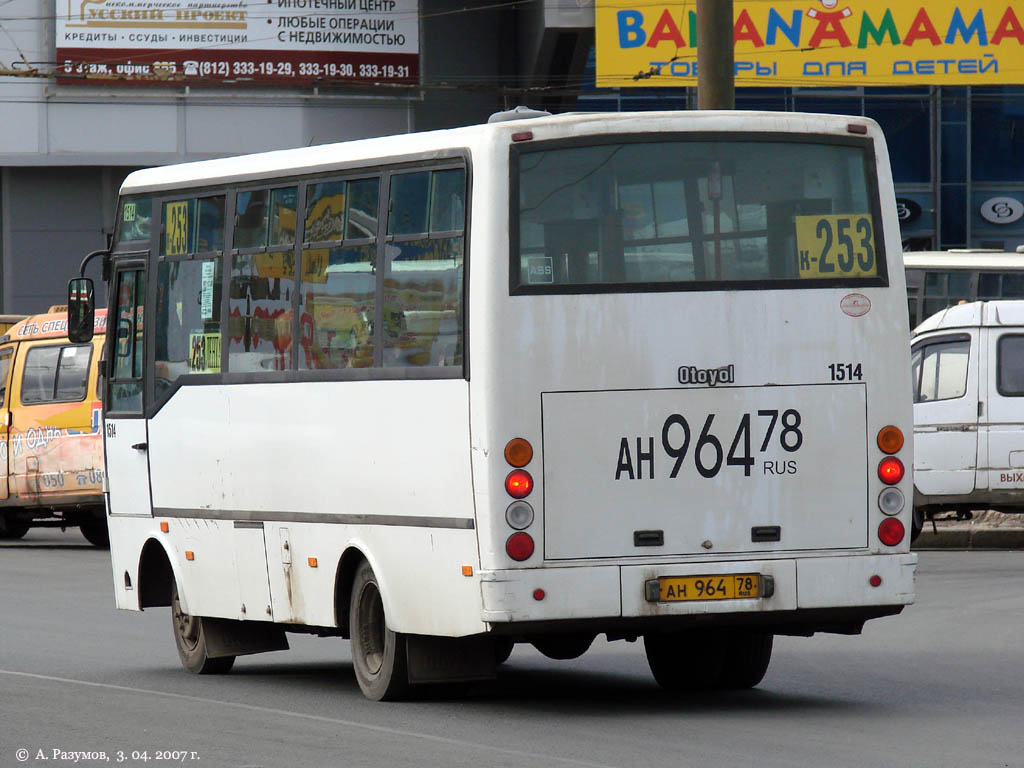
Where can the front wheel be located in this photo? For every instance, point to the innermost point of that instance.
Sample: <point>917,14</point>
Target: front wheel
<point>10,529</point>
<point>191,641</point>
<point>378,654</point>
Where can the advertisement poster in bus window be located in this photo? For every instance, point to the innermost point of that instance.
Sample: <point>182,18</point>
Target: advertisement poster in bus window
<point>831,43</point>
<point>237,42</point>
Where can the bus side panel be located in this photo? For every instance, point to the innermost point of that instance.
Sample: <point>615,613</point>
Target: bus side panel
<point>380,466</point>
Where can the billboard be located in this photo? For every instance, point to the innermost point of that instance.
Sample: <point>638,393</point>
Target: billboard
<point>833,43</point>
<point>237,42</point>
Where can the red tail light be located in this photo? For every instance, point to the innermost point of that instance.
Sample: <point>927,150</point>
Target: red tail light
<point>891,470</point>
<point>519,546</point>
<point>519,483</point>
<point>891,532</point>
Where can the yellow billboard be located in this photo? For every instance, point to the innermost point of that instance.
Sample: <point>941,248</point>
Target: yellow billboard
<point>832,43</point>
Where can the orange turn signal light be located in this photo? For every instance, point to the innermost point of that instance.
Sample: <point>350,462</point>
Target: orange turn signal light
<point>190,555</point>
<point>518,452</point>
<point>890,439</point>
<point>467,570</point>
<point>312,562</point>
<point>164,526</point>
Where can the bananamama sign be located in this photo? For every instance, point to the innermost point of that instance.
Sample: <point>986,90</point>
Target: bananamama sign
<point>819,42</point>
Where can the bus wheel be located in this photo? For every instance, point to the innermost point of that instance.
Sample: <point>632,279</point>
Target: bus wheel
<point>378,654</point>
<point>96,533</point>
<point>191,641</point>
<point>503,649</point>
<point>682,661</point>
<point>746,658</point>
<point>563,647</point>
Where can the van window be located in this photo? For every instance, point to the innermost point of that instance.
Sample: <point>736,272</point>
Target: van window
<point>56,374</point>
<point>1010,366</point>
<point>5,368</point>
<point>940,370</point>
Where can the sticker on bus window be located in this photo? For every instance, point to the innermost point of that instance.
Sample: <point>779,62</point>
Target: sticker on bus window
<point>539,271</point>
<point>129,212</point>
<point>176,227</point>
<point>840,246</point>
<point>206,293</point>
<point>205,353</point>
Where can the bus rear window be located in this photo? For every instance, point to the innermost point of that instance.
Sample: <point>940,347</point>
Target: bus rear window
<point>695,214</point>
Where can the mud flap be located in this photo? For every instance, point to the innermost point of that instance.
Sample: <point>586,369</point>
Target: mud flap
<point>449,659</point>
<point>225,637</point>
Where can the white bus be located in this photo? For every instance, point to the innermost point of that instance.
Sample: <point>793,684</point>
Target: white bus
<point>639,375</point>
<point>940,279</point>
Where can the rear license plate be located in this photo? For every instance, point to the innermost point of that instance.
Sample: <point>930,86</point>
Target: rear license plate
<point>728,586</point>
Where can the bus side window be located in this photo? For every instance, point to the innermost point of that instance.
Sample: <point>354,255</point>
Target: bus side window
<point>126,367</point>
<point>39,376</point>
<point>942,370</point>
<point>423,278</point>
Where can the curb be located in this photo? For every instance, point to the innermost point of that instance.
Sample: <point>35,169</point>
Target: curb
<point>969,538</point>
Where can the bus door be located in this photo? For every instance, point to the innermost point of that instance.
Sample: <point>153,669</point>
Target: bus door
<point>946,375</point>
<point>125,431</point>
<point>6,359</point>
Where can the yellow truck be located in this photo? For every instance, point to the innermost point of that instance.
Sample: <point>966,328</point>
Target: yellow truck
<point>51,442</point>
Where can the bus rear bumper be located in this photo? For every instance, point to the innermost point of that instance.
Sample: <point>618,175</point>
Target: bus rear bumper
<point>561,594</point>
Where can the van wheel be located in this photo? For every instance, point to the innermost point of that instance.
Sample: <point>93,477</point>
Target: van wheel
<point>378,654</point>
<point>191,641</point>
<point>11,530</point>
<point>916,524</point>
<point>96,533</point>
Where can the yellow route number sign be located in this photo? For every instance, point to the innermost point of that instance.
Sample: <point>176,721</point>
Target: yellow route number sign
<point>841,246</point>
<point>176,227</point>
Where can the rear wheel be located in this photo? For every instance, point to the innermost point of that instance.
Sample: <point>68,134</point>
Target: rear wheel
<point>191,641</point>
<point>747,656</point>
<point>701,661</point>
<point>378,654</point>
<point>96,533</point>
<point>916,523</point>
<point>563,647</point>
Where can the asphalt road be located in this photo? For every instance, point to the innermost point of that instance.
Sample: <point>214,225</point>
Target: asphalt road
<point>940,685</point>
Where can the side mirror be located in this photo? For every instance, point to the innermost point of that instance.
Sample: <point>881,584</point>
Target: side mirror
<point>81,310</point>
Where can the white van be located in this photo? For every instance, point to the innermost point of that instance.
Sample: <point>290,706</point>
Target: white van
<point>968,372</point>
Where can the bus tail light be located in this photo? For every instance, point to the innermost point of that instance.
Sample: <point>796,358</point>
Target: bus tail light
<point>891,531</point>
<point>519,483</point>
<point>890,439</point>
<point>518,452</point>
<point>890,470</point>
<point>519,546</point>
<point>519,515</point>
<point>891,501</point>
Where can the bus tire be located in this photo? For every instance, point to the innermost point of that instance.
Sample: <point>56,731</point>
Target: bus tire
<point>746,658</point>
<point>96,533</point>
<point>378,653</point>
<point>563,647</point>
<point>191,641</point>
<point>503,649</point>
<point>916,524</point>
<point>685,661</point>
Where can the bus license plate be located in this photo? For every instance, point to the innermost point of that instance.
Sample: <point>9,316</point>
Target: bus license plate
<point>729,586</point>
